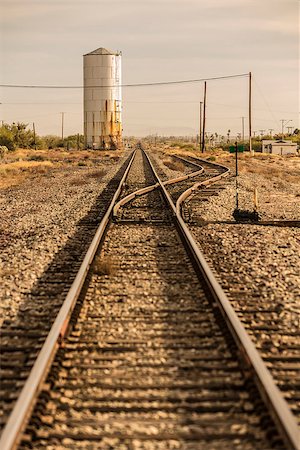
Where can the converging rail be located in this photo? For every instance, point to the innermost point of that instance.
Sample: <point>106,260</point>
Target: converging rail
<point>157,353</point>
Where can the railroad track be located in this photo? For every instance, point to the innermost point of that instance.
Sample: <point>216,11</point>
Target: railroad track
<point>272,324</point>
<point>21,339</point>
<point>146,352</point>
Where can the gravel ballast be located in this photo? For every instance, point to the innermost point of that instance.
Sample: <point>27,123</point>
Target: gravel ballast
<point>37,219</point>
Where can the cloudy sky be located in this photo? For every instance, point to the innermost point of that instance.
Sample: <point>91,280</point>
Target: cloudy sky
<point>42,42</point>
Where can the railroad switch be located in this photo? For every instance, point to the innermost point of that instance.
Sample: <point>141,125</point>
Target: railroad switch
<point>244,215</point>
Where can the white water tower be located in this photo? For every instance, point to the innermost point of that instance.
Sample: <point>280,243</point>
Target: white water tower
<point>102,99</point>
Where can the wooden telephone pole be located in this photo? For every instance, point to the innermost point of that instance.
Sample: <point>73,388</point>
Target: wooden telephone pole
<point>200,127</point>
<point>250,114</point>
<point>62,125</point>
<point>34,135</point>
<point>204,116</point>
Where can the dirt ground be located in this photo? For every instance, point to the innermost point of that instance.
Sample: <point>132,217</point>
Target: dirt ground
<point>276,178</point>
<point>23,164</point>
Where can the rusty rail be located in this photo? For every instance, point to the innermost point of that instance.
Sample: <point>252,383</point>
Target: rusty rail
<point>18,418</point>
<point>276,404</point>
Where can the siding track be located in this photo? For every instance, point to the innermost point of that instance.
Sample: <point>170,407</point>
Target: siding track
<point>149,360</point>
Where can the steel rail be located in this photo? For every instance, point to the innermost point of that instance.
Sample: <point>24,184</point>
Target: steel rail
<point>132,196</point>
<point>269,391</point>
<point>147,189</point>
<point>198,185</point>
<point>21,412</point>
<point>210,163</point>
<point>181,158</point>
<point>276,404</point>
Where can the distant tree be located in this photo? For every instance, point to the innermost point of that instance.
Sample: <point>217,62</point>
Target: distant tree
<point>23,137</point>
<point>51,141</point>
<point>228,136</point>
<point>3,151</point>
<point>74,141</point>
<point>7,137</point>
<point>17,135</point>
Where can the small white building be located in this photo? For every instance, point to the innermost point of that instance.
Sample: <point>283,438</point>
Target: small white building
<point>279,147</point>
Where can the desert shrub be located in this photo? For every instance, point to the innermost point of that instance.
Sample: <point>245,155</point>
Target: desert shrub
<point>3,151</point>
<point>188,147</point>
<point>174,165</point>
<point>36,158</point>
<point>78,182</point>
<point>104,266</point>
<point>96,174</point>
<point>51,141</point>
<point>7,138</point>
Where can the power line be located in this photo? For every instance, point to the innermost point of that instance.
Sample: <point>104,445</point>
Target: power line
<point>158,83</point>
<point>265,100</point>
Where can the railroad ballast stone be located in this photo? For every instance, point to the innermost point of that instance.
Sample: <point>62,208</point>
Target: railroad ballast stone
<point>39,304</point>
<point>147,364</point>
<point>37,219</point>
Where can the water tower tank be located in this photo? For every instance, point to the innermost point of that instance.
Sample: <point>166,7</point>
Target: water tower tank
<point>102,99</point>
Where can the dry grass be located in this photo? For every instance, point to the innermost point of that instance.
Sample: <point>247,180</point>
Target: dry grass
<point>24,165</point>
<point>60,156</point>
<point>17,172</point>
<point>78,182</point>
<point>174,165</point>
<point>272,168</point>
<point>96,174</point>
<point>21,164</point>
<point>114,158</point>
<point>104,266</point>
<point>87,177</point>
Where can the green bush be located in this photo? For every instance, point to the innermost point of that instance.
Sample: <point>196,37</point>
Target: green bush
<point>3,151</point>
<point>50,141</point>
<point>7,138</point>
<point>17,135</point>
<point>256,146</point>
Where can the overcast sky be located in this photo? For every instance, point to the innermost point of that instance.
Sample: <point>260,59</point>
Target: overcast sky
<point>42,42</point>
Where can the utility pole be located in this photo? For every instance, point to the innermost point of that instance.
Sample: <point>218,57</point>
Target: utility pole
<point>236,177</point>
<point>250,114</point>
<point>204,117</point>
<point>262,132</point>
<point>200,127</point>
<point>33,126</point>
<point>271,131</point>
<point>62,125</point>
<point>243,129</point>
<point>284,124</point>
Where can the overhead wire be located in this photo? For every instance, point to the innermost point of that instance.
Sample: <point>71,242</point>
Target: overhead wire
<point>156,83</point>
<point>265,100</point>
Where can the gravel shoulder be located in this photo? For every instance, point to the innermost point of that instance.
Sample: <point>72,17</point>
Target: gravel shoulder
<point>258,266</point>
<point>263,259</point>
<point>37,219</point>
